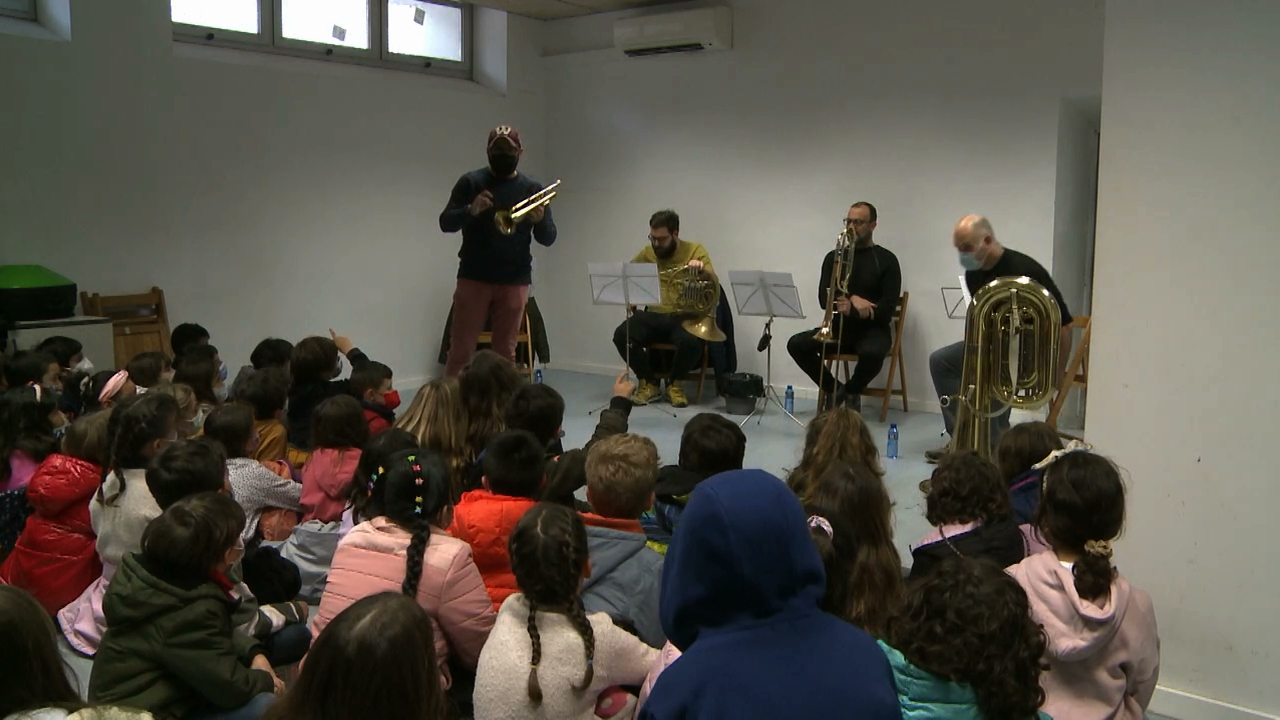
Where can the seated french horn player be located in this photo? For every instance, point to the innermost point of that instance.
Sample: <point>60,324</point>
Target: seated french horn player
<point>685,319</point>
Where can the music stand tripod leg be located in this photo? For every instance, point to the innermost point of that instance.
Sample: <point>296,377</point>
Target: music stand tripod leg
<point>626,325</point>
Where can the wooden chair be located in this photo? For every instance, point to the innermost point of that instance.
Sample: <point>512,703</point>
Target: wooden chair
<point>523,339</point>
<point>140,322</point>
<point>1077,372</point>
<point>897,366</point>
<point>702,372</point>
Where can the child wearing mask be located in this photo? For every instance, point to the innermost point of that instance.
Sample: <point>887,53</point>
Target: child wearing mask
<point>30,428</point>
<point>315,366</point>
<point>255,487</point>
<point>372,386</point>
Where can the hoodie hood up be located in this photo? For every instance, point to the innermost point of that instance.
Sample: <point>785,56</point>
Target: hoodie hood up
<point>742,554</point>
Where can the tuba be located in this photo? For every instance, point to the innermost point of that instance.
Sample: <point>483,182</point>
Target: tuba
<point>1011,338</point>
<point>694,293</point>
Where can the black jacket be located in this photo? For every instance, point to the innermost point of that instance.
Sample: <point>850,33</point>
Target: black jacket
<point>567,472</point>
<point>304,397</point>
<point>1000,542</point>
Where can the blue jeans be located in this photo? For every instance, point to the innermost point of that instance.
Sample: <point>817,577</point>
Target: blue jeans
<point>289,645</point>
<point>255,709</point>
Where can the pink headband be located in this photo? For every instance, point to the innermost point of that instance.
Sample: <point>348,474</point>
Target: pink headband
<point>113,386</point>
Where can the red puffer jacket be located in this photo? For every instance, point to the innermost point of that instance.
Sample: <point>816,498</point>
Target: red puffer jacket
<point>485,521</point>
<point>55,558</point>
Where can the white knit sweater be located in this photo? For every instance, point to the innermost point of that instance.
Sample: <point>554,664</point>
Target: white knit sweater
<point>503,674</point>
<point>119,524</point>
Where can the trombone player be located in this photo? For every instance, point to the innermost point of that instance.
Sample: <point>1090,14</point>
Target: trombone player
<point>494,267</point>
<point>665,323</point>
<point>864,299</point>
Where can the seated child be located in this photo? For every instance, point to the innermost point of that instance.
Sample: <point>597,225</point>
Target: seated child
<point>835,436</point>
<point>255,487</point>
<point>54,558</point>
<point>313,367</point>
<point>513,473</point>
<point>1021,448</point>
<point>32,367</point>
<point>403,548</point>
<point>710,444</point>
<point>438,421</point>
<point>30,427</point>
<point>184,336</point>
<point>169,647</point>
<point>626,574</point>
<point>968,506</point>
<point>37,685</point>
<point>202,368</point>
<point>373,462</point>
<point>267,392</point>
<point>271,353</point>
<point>371,385</point>
<point>1104,648</point>
<point>338,432</point>
<point>965,610</point>
<point>546,657</point>
<point>69,353</point>
<point>539,409</point>
<point>851,521</point>
<point>190,414</point>
<point>741,597</point>
<point>147,369</point>
<point>353,672</point>
<point>486,386</point>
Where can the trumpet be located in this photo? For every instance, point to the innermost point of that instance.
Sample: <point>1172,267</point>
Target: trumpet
<point>507,220</point>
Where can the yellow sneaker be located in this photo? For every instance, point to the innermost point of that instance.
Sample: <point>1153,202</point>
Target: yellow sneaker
<point>646,393</point>
<point>675,395</point>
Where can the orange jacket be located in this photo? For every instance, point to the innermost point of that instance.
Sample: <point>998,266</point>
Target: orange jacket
<point>485,522</point>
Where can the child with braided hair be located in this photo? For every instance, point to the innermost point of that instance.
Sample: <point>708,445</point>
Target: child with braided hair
<point>403,548</point>
<point>1104,648</point>
<point>572,656</point>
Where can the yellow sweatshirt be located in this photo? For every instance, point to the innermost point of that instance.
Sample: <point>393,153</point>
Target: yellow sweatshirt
<point>685,251</point>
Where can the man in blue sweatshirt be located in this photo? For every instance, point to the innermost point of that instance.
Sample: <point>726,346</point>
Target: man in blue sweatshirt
<point>742,587</point>
<point>494,269</point>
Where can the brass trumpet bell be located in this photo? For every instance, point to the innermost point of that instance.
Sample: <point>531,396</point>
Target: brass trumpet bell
<point>507,220</point>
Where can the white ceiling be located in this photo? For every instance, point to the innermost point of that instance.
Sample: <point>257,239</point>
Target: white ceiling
<point>555,9</point>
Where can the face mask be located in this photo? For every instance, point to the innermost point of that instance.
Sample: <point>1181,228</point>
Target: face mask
<point>167,375</point>
<point>391,399</point>
<point>503,165</point>
<point>337,372</point>
<point>197,422</point>
<point>60,431</point>
<point>970,261</point>
<point>83,366</point>
<point>220,392</point>
<point>222,372</point>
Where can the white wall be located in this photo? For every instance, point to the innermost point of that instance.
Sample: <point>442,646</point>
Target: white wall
<point>924,108</point>
<point>1073,217</point>
<point>270,196</point>
<point>1184,394</point>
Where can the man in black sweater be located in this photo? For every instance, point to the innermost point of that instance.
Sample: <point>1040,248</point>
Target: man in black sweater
<point>494,270</point>
<point>861,318</point>
<point>985,259</point>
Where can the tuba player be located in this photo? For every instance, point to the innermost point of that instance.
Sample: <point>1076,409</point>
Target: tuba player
<point>873,281</point>
<point>662,323</point>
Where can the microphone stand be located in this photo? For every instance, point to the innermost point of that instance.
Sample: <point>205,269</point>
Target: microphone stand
<point>770,392</point>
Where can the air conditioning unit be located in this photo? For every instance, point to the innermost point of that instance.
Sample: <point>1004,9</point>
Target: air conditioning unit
<point>677,32</point>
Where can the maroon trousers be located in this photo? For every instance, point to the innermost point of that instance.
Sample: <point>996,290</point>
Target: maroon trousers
<point>473,303</point>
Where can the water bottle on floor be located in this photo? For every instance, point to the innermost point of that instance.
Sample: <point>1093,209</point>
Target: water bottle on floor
<point>789,400</point>
<point>891,451</point>
<point>537,376</point>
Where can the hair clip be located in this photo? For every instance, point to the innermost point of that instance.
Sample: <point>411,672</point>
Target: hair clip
<point>821,523</point>
<point>417,509</point>
<point>411,458</point>
<point>1072,446</point>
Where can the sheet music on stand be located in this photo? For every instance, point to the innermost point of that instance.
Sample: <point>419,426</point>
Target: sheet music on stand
<point>956,300</point>
<point>624,284</point>
<point>759,293</point>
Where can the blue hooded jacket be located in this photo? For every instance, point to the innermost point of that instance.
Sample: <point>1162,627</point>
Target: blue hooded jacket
<point>741,592</point>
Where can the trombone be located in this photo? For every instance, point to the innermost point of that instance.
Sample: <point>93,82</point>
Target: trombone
<point>507,220</point>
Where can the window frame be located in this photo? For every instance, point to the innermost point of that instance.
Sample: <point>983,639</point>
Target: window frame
<point>10,9</point>
<point>270,39</point>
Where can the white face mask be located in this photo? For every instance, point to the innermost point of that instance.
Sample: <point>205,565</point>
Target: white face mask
<point>84,366</point>
<point>167,376</point>
<point>220,392</point>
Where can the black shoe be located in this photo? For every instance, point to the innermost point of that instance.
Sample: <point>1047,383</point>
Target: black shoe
<point>853,402</point>
<point>933,456</point>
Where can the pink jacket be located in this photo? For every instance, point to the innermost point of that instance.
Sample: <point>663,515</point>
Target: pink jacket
<point>326,481</point>
<point>371,559</point>
<point>1103,660</point>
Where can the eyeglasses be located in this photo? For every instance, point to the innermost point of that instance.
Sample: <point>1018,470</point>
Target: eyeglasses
<point>856,222</point>
<point>652,238</point>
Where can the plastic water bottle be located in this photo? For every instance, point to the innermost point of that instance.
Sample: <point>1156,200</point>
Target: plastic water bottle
<point>891,451</point>
<point>789,400</point>
<point>537,376</point>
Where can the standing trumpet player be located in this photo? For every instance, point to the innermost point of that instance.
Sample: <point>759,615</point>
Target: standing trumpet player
<point>663,323</point>
<point>494,268</point>
<point>864,298</point>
